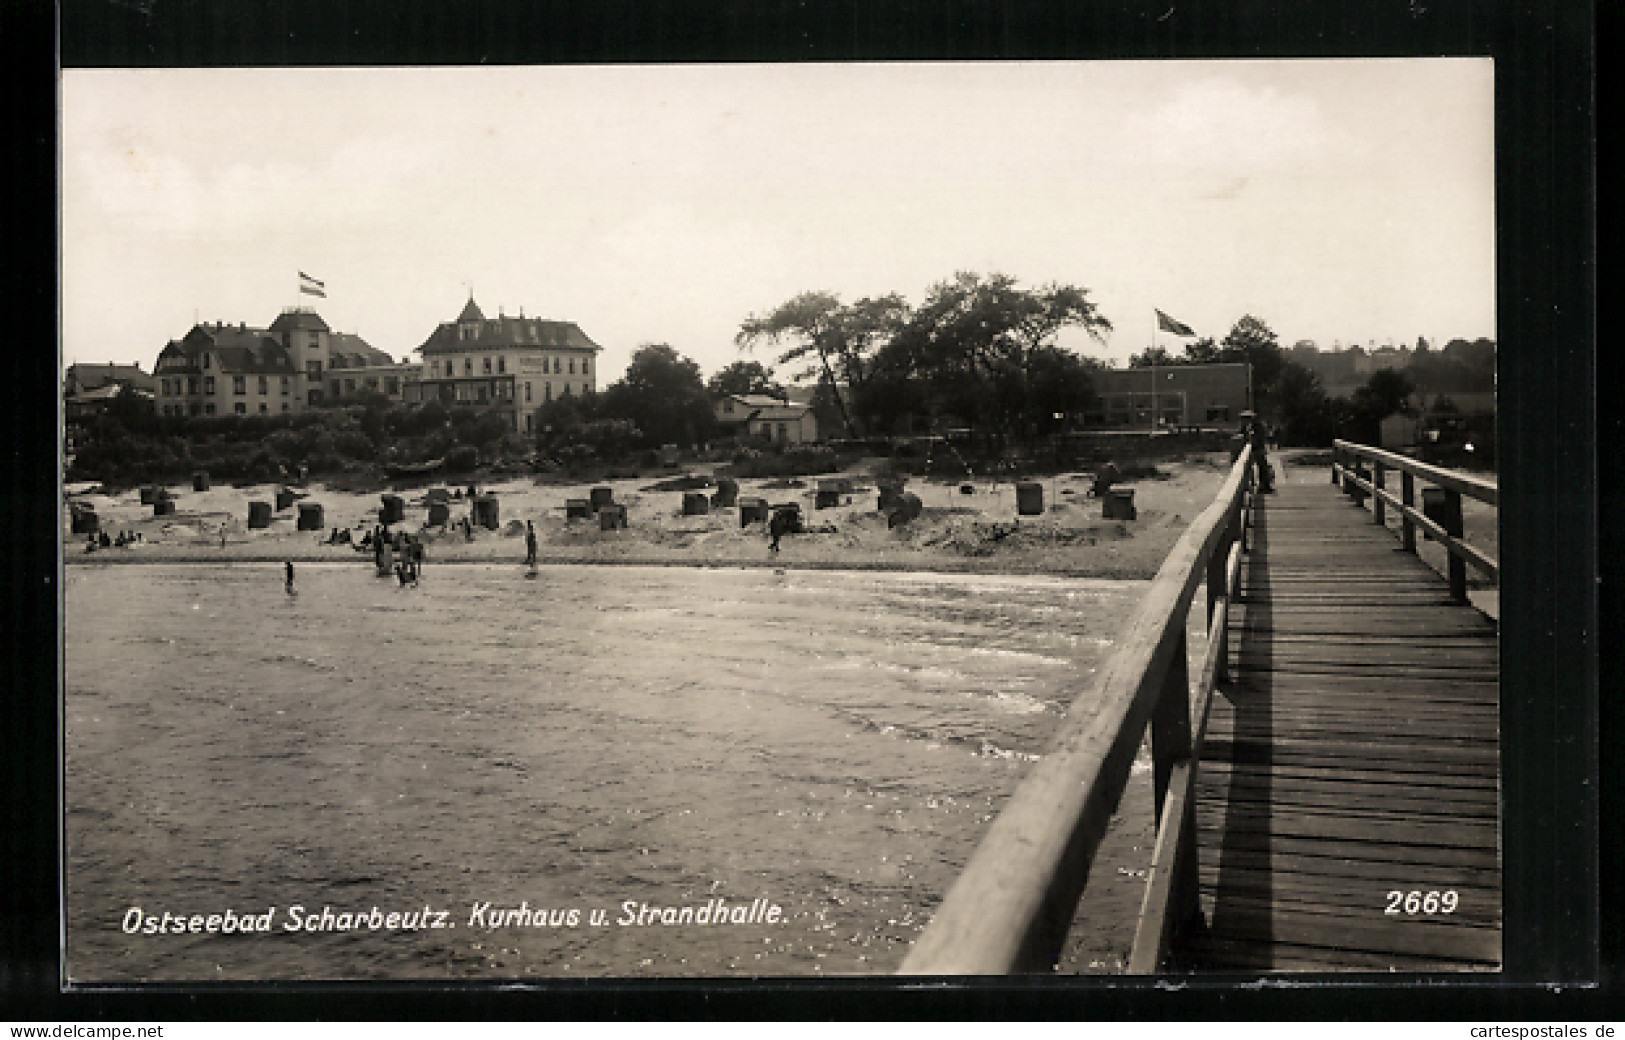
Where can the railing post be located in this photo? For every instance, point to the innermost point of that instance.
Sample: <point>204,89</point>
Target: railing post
<point>1378,481</point>
<point>1407,494</point>
<point>1337,461</point>
<point>1218,576</point>
<point>1171,743</point>
<point>1452,523</point>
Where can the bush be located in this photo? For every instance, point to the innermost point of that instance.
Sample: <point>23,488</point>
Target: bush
<point>800,462</point>
<point>462,459</point>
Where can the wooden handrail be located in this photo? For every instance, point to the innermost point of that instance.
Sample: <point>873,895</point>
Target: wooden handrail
<point>1473,487</point>
<point>1010,909</point>
<point>1445,526</point>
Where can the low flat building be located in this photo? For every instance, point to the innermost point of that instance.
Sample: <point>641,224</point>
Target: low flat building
<point>511,366</point>
<point>1189,396</point>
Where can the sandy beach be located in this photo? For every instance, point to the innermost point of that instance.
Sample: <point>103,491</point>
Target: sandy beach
<point>966,525</point>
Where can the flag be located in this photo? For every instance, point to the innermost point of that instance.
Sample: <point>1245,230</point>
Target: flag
<point>1168,324</point>
<point>311,287</point>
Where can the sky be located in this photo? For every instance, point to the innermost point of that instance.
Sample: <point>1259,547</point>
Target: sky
<point>1346,201</point>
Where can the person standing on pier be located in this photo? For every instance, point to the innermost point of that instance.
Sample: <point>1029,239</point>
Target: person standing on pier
<point>287,566</point>
<point>1257,434</point>
<point>530,543</point>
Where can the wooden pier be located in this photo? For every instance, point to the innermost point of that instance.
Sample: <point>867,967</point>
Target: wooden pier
<point>1352,759</point>
<point>1326,776</point>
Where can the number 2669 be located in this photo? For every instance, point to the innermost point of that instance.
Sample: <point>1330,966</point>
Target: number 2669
<point>1415,902</point>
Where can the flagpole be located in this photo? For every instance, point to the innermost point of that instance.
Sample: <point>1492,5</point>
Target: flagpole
<point>1154,325</point>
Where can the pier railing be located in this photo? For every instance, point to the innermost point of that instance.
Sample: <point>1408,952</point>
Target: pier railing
<point>1012,907</point>
<point>1362,471</point>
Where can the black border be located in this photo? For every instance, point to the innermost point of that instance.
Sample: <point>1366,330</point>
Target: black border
<point>1546,190</point>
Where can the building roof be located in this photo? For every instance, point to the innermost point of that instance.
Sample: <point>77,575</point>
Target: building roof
<point>758,400</point>
<point>299,318</point>
<point>89,376</point>
<point>101,393</point>
<point>354,347</point>
<point>779,411</point>
<point>242,350</point>
<point>492,333</point>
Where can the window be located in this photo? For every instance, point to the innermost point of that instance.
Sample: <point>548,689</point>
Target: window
<point>195,408</point>
<point>265,386</point>
<point>482,393</point>
<point>284,389</point>
<point>334,388</point>
<point>287,340</point>
<point>315,395</point>
<point>371,382</point>
<point>191,384</point>
<point>566,391</point>
<point>468,366</point>
<point>392,385</point>
<point>285,406</point>
<point>527,422</point>
<point>313,369</point>
<point>315,338</point>
<point>240,408</point>
<point>239,384</point>
<point>502,363</point>
<point>547,391</point>
<point>527,393</point>
<point>205,359</point>
<point>586,388</point>
<point>264,408</point>
<point>572,366</point>
<point>487,366</point>
<point>165,391</point>
<point>208,384</point>
<point>208,409</point>
<point>583,366</point>
<point>349,387</point>
<point>556,366</point>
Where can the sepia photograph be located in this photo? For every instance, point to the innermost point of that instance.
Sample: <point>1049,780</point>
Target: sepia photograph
<point>751,520</point>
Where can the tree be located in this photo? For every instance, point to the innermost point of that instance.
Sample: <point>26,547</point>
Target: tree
<point>835,342</point>
<point>662,394</point>
<point>1154,357</point>
<point>745,377</point>
<point>973,343</point>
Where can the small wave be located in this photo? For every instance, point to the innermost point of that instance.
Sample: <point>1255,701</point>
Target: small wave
<point>308,662</point>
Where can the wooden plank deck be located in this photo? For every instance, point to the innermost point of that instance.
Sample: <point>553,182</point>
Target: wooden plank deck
<point>1353,754</point>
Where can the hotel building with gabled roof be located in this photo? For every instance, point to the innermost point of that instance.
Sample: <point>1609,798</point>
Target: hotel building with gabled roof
<point>223,369</point>
<point>509,365</point>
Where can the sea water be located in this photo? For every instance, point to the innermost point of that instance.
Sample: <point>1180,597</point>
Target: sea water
<point>591,771</point>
